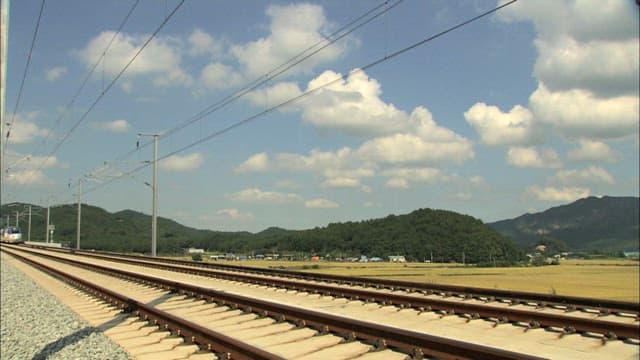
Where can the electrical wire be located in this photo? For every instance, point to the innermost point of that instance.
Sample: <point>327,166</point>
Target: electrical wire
<point>82,85</point>
<point>309,92</point>
<point>277,71</point>
<point>88,76</point>
<point>104,92</point>
<point>24,77</point>
<point>305,54</point>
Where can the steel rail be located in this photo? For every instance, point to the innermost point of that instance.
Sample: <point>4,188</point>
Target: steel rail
<point>532,319</point>
<point>571,303</point>
<point>212,340</point>
<point>414,343</point>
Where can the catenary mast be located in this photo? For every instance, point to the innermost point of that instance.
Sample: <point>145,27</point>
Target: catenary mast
<point>4,35</point>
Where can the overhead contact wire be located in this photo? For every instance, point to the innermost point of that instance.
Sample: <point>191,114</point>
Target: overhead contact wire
<point>90,73</point>
<point>24,77</point>
<point>311,91</point>
<point>104,92</point>
<point>274,73</point>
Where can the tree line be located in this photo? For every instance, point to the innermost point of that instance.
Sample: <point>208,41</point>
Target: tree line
<point>424,234</point>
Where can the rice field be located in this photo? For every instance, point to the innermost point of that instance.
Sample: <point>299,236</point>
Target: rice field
<point>606,279</point>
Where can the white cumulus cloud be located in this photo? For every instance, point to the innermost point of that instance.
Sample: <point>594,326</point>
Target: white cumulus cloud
<point>55,73</point>
<point>21,169</point>
<point>587,66</point>
<point>24,129</point>
<point>402,177</point>
<point>565,194</point>
<point>352,105</point>
<point>217,75</point>
<point>579,113</point>
<point>23,132</point>
<point>234,214</point>
<point>531,157</point>
<point>27,177</point>
<point>590,175</point>
<point>184,163</point>
<point>258,195</point>
<point>117,126</point>
<point>397,183</point>
<point>345,182</point>
<point>202,43</point>
<point>292,28</point>
<point>160,60</point>
<point>496,127</point>
<point>592,150</point>
<point>257,162</point>
<point>321,204</point>
<point>275,95</point>
<point>409,148</point>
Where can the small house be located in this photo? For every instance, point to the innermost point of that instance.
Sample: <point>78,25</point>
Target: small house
<point>632,255</point>
<point>397,258</point>
<point>194,251</point>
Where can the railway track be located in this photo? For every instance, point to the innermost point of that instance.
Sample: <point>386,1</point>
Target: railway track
<point>396,342</point>
<point>448,305</point>
<point>568,303</point>
<point>468,309</point>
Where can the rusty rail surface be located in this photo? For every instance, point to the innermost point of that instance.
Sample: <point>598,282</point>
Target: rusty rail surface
<point>191,332</point>
<point>414,343</point>
<point>571,303</point>
<point>499,315</point>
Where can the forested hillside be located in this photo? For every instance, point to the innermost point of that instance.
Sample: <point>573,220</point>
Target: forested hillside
<point>594,224</point>
<point>421,235</point>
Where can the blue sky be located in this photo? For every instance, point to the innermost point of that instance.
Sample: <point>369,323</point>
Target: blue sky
<point>531,107</point>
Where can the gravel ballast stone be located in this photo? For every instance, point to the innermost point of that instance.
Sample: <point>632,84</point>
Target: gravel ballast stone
<point>35,325</point>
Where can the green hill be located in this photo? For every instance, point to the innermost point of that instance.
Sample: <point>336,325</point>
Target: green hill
<point>422,234</point>
<point>606,225</point>
<point>594,224</point>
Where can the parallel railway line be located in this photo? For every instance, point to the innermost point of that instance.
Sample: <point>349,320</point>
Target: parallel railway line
<point>410,299</point>
<point>601,323</point>
<point>569,303</point>
<point>377,336</point>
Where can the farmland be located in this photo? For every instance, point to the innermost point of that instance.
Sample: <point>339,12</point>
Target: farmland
<point>607,279</point>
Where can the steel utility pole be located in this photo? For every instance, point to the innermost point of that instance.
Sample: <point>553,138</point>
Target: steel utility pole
<point>29,231</point>
<point>46,229</point>
<point>154,220</point>
<point>154,188</point>
<point>79,213</point>
<point>4,36</point>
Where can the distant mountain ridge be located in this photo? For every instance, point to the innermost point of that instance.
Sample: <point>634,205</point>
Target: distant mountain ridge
<point>422,234</point>
<point>605,224</point>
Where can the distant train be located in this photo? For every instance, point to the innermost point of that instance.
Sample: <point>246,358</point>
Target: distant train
<point>11,234</point>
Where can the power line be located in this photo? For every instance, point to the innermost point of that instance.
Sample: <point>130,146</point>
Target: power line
<point>24,77</point>
<point>89,74</point>
<point>339,78</point>
<point>278,70</point>
<point>340,33</point>
<point>104,92</point>
<point>80,88</point>
<point>310,91</point>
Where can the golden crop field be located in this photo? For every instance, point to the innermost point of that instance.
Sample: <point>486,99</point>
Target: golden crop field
<point>606,279</point>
